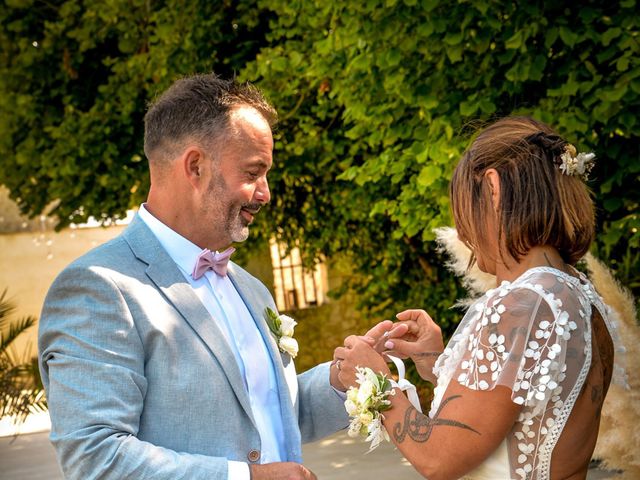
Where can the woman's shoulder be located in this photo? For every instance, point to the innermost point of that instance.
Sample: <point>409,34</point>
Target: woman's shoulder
<point>539,294</point>
<point>550,284</point>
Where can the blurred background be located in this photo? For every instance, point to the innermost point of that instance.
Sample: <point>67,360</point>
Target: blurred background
<point>377,101</point>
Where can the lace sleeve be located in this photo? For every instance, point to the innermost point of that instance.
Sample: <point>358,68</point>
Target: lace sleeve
<point>532,336</point>
<point>520,339</point>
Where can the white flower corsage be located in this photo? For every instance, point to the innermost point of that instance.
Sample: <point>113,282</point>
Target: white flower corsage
<point>576,164</point>
<point>365,405</point>
<point>281,327</point>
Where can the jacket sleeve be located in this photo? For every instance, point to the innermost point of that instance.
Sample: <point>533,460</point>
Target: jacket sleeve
<point>321,411</point>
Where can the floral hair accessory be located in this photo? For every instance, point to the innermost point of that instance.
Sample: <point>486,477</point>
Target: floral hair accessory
<point>281,327</point>
<point>365,405</point>
<point>576,164</point>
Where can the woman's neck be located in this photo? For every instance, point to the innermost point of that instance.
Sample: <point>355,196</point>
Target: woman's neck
<point>539,256</point>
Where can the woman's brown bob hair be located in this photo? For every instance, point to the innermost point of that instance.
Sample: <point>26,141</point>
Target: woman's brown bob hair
<point>539,205</point>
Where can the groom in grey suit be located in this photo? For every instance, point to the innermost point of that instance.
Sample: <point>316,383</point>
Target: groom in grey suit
<point>155,353</point>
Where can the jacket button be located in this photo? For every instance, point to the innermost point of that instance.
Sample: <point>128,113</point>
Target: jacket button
<point>254,456</point>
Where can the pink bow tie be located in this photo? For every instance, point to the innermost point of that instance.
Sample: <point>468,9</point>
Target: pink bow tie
<point>214,261</point>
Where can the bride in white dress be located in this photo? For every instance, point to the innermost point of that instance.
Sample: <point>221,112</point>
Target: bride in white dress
<point>521,383</point>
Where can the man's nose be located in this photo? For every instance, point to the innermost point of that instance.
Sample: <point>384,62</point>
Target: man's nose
<point>263,194</point>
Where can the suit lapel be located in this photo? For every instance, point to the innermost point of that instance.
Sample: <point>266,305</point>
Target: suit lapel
<point>256,306</point>
<point>165,274</point>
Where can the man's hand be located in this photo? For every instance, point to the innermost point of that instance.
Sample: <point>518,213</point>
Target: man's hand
<point>334,371</point>
<point>281,471</point>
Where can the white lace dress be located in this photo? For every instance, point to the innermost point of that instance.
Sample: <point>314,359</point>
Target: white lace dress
<point>533,336</point>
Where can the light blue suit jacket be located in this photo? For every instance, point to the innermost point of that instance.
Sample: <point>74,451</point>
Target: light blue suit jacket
<point>140,380</point>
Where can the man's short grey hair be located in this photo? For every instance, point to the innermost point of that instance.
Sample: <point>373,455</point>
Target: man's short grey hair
<point>197,108</point>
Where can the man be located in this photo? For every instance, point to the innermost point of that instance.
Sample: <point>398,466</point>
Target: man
<point>158,367</point>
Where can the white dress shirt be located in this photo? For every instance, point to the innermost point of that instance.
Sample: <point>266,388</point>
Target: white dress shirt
<point>221,299</point>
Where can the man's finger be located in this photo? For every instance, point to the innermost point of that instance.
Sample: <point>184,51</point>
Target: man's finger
<point>309,475</point>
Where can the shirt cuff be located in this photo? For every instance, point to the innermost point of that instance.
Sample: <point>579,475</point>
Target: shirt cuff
<point>238,470</point>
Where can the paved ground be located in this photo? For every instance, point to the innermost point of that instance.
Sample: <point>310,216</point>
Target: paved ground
<point>31,457</point>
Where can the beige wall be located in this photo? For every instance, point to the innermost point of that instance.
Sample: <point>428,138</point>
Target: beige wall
<point>29,262</point>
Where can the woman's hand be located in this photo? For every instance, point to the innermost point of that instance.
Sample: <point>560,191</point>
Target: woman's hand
<point>384,331</point>
<point>376,338</point>
<point>357,352</point>
<point>422,342</point>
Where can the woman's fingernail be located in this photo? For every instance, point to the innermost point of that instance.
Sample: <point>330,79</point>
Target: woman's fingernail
<point>388,345</point>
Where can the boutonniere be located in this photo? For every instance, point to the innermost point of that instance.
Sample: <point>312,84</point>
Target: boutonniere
<point>281,327</point>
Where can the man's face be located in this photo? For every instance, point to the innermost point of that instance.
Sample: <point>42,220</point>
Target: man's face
<point>238,186</point>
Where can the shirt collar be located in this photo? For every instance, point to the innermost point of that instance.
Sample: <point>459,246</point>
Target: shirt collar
<point>182,251</point>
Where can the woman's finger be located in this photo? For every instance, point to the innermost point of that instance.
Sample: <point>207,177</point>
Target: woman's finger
<point>398,330</point>
<point>379,330</point>
<point>416,315</point>
<point>402,347</point>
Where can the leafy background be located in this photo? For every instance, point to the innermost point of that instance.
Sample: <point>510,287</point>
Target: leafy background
<point>377,100</point>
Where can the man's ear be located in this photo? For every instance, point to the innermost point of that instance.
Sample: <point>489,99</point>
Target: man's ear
<point>491,175</point>
<point>193,165</point>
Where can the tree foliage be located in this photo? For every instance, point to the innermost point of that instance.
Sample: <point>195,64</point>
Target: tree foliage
<point>75,79</point>
<point>377,101</point>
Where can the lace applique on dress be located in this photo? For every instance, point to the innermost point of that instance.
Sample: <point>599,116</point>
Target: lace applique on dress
<point>533,336</point>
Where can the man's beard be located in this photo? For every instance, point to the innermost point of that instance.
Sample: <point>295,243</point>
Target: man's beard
<point>228,215</point>
<point>237,227</point>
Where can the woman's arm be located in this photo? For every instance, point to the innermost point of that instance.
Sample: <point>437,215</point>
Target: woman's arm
<point>468,426</point>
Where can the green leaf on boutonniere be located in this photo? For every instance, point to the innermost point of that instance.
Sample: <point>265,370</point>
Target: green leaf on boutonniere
<point>273,322</point>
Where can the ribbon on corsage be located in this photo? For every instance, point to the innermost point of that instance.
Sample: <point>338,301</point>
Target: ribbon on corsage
<point>404,384</point>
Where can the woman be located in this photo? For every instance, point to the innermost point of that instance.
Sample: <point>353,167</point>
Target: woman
<point>520,386</point>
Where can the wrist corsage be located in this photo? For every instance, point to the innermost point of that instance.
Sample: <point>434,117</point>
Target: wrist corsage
<point>365,405</point>
<point>281,327</point>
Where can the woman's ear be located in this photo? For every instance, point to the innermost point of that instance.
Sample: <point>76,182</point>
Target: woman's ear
<point>493,178</point>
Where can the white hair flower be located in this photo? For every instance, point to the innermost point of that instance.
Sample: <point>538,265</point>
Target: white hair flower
<point>576,164</point>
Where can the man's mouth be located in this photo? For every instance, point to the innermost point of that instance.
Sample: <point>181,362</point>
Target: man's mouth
<point>248,213</point>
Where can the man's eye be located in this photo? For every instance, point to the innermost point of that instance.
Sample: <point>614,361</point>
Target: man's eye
<point>253,175</point>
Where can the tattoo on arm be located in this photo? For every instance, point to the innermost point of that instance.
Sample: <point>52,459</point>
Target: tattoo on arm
<point>419,427</point>
<point>428,354</point>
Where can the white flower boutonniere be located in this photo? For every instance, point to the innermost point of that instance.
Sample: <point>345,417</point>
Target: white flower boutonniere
<point>281,327</point>
<point>365,405</point>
